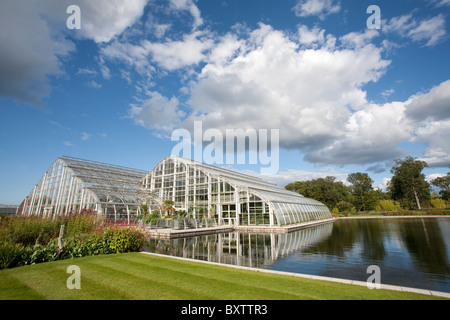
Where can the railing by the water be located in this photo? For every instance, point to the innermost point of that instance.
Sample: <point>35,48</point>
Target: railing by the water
<point>183,224</point>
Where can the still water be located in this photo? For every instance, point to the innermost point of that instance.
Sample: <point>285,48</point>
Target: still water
<point>411,252</point>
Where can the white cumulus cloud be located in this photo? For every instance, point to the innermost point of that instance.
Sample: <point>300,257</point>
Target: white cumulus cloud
<point>320,8</point>
<point>34,40</point>
<point>157,113</point>
<point>429,32</point>
<point>101,20</point>
<point>30,53</point>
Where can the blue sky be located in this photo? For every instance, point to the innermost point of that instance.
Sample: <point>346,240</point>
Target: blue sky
<point>344,97</point>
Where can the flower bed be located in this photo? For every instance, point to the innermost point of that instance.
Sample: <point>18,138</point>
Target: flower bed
<point>29,240</point>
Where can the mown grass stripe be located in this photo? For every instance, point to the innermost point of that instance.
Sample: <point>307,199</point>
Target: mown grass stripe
<point>51,283</point>
<point>292,287</point>
<point>169,277</point>
<point>217,287</point>
<point>217,277</point>
<point>16,289</point>
<point>161,288</point>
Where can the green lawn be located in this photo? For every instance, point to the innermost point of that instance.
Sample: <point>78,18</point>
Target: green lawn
<point>134,276</point>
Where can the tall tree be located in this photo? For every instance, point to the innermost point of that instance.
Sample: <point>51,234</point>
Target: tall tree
<point>443,183</point>
<point>326,190</point>
<point>360,189</point>
<point>408,184</point>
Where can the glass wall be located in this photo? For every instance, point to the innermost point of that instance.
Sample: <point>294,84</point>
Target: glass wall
<point>205,191</point>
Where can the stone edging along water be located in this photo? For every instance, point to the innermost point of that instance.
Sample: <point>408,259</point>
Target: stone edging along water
<point>395,217</point>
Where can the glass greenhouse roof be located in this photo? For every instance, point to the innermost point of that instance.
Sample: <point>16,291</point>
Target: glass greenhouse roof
<point>199,189</point>
<point>73,184</point>
<point>236,178</point>
<point>269,191</point>
<point>114,183</point>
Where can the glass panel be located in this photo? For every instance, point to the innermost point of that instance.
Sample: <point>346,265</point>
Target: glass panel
<point>278,214</point>
<point>286,215</point>
<point>294,213</point>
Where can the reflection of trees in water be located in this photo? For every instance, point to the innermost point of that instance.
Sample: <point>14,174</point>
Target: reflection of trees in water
<point>342,239</point>
<point>422,238</point>
<point>347,234</point>
<point>372,238</point>
<point>425,243</point>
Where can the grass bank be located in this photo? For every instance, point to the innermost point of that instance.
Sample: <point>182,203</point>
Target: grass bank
<point>135,276</point>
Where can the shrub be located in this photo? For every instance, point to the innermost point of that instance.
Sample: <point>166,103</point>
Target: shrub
<point>109,240</point>
<point>344,206</point>
<point>42,253</point>
<point>10,254</point>
<point>388,205</point>
<point>32,230</point>
<point>438,203</point>
<point>150,219</point>
<point>88,245</point>
<point>124,239</point>
<point>3,234</point>
<point>82,223</point>
<point>35,230</point>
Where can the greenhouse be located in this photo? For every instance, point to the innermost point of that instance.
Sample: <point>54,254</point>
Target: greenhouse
<point>196,190</point>
<point>74,185</point>
<point>205,191</point>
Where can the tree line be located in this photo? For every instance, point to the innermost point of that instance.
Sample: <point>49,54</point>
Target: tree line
<point>407,189</point>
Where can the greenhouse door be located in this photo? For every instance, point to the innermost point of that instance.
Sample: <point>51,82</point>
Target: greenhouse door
<point>229,214</point>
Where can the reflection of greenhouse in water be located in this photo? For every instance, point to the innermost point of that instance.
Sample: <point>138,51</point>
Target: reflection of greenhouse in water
<point>242,249</point>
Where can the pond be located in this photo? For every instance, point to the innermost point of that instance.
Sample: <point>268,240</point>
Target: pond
<point>410,252</point>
